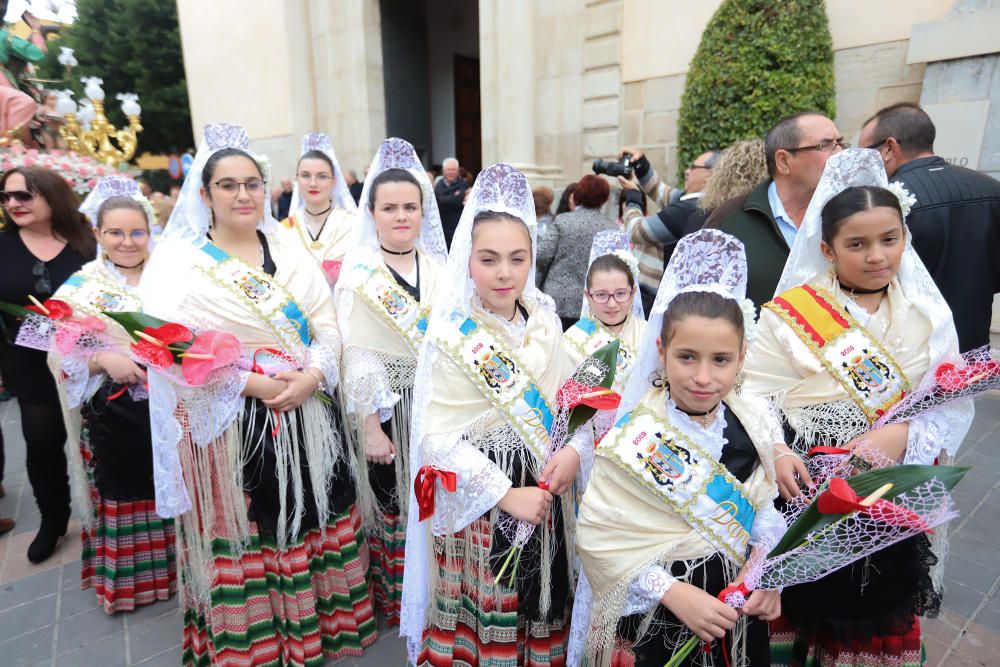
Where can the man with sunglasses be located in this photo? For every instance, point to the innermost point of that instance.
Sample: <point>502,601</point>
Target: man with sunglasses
<point>955,224</point>
<point>766,220</point>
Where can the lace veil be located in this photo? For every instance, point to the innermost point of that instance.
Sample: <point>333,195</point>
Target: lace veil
<point>500,188</point>
<point>615,242</point>
<point>320,141</point>
<point>116,186</point>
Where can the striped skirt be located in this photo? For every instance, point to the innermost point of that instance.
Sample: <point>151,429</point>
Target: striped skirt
<point>302,605</point>
<point>790,648</point>
<point>476,623</point>
<point>388,548</point>
<point>129,554</point>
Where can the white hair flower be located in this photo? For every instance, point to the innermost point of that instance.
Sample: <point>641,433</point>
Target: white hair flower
<point>265,167</point>
<point>630,261</point>
<point>905,197</point>
<point>749,320</point>
<point>147,206</point>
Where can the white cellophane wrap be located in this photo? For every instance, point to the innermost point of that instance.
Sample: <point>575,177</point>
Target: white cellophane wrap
<point>707,261</point>
<point>378,368</point>
<point>197,432</point>
<point>503,189</point>
<point>117,186</point>
<point>341,196</point>
<point>931,432</point>
<point>614,242</point>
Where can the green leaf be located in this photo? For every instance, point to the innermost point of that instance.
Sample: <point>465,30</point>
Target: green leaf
<point>903,478</point>
<point>608,356</point>
<point>17,311</point>
<point>135,321</point>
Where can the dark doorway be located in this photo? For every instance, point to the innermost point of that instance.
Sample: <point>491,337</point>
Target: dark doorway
<point>468,134</point>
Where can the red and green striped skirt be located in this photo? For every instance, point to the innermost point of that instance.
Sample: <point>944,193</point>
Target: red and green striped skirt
<point>301,605</point>
<point>129,554</point>
<point>792,648</point>
<point>388,551</point>
<point>477,622</point>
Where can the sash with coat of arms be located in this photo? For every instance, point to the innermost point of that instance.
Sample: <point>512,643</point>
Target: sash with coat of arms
<point>94,294</point>
<point>395,305</point>
<point>272,303</point>
<point>686,477</point>
<point>503,380</point>
<point>866,371</point>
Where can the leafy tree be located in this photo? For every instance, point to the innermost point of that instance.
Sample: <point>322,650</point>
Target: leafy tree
<point>758,61</point>
<point>134,46</point>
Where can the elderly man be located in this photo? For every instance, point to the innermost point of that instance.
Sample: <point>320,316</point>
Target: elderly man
<point>450,195</point>
<point>655,236</point>
<point>284,199</point>
<point>766,220</point>
<point>956,221</point>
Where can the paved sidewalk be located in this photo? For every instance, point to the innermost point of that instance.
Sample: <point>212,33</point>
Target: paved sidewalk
<point>45,619</point>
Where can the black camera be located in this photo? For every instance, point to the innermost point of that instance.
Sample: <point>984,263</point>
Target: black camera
<point>621,167</point>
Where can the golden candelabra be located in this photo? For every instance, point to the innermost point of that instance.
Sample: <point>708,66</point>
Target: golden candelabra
<point>89,131</point>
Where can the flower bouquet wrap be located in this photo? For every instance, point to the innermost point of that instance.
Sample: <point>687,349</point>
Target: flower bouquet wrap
<point>585,398</point>
<point>52,325</point>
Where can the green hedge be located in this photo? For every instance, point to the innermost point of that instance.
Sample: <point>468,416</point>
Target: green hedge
<point>758,61</point>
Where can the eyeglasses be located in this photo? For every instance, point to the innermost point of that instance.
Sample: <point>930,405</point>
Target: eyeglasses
<point>20,196</point>
<point>43,281</point>
<point>620,295</point>
<point>321,177</point>
<point>137,235</point>
<point>825,146</point>
<point>231,187</point>
<point>876,145</point>
<point>693,166</point>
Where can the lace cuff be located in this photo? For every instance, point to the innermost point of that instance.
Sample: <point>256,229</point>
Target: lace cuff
<point>937,430</point>
<point>768,527</point>
<point>213,406</point>
<point>172,498</point>
<point>364,387</point>
<point>323,359</point>
<point>79,383</point>
<point>481,484</point>
<point>647,589</point>
<point>583,442</point>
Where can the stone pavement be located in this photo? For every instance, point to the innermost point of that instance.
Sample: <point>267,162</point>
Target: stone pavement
<point>45,619</point>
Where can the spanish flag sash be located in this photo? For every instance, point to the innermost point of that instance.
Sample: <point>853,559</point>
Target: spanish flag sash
<point>689,480</point>
<point>866,371</point>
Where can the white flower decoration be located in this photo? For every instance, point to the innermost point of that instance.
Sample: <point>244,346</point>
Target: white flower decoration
<point>630,261</point>
<point>906,199</point>
<point>265,167</point>
<point>749,320</point>
<point>147,206</point>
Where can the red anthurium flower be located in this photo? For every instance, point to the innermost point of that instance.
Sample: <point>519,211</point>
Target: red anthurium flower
<point>331,268</point>
<point>840,498</point>
<point>53,309</point>
<point>895,515</point>
<point>170,333</point>
<point>152,354</point>
<point>210,350</point>
<point>600,399</point>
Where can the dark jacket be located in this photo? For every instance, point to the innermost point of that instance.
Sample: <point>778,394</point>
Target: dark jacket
<point>284,204</point>
<point>449,199</point>
<point>750,220</point>
<point>956,231</point>
<point>563,256</point>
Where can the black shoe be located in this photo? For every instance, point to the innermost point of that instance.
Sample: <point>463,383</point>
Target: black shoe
<point>44,544</point>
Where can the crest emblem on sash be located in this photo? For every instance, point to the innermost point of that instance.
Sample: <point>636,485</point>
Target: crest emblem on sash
<point>623,357</point>
<point>107,301</point>
<point>664,460</point>
<point>253,287</point>
<point>393,302</point>
<point>496,368</point>
<point>867,372</point>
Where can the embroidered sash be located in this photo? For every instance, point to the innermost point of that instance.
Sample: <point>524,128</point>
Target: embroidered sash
<point>682,474</point>
<point>265,297</point>
<point>587,336</point>
<point>95,295</point>
<point>866,371</point>
<point>394,305</point>
<point>503,380</point>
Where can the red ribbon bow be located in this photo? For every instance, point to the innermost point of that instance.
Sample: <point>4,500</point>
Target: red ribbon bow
<point>423,487</point>
<point>827,451</point>
<point>840,498</point>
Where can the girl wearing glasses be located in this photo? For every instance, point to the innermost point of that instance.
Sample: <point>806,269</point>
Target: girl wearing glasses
<point>392,273</point>
<point>252,461</point>
<point>323,213</point>
<point>45,239</point>
<point>128,550</point>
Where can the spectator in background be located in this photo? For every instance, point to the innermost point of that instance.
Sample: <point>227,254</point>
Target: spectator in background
<point>566,203</point>
<point>353,185</point>
<point>284,199</point>
<point>654,236</point>
<point>543,197</point>
<point>740,169</point>
<point>563,251</point>
<point>450,195</point>
<point>175,191</point>
<point>145,188</point>
<point>955,222</point>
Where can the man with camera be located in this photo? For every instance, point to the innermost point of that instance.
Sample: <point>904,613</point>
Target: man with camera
<point>655,236</point>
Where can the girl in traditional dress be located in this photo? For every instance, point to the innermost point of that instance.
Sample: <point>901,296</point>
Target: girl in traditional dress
<point>274,566</point>
<point>128,550</point>
<point>856,323</point>
<point>683,485</point>
<point>483,403</point>
<point>392,273</point>
<point>322,214</point>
